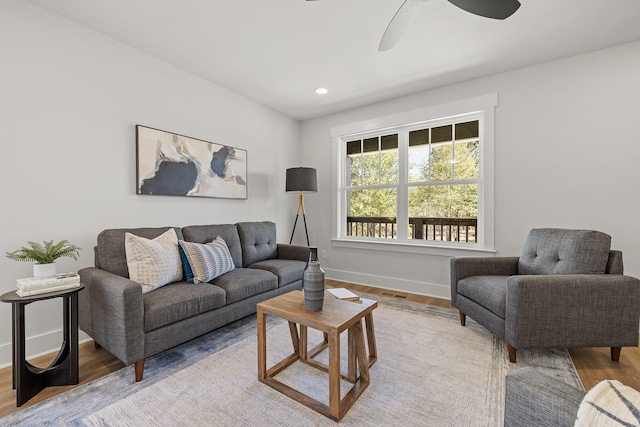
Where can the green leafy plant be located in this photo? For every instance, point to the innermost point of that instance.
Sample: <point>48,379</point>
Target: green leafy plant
<point>45,252</point>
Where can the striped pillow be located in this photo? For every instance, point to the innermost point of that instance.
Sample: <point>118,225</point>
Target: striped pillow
<point>204,262</point>
<point>153,263</point>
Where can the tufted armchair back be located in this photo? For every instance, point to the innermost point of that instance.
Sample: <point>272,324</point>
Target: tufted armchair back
<point>550,251</point>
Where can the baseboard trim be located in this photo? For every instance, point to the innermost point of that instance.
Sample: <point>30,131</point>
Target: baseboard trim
<point>391,283</point>
<point>38,345</point>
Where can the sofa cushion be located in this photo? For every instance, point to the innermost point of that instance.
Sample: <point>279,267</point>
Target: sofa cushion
<point>153,262</point>
<point>204,262</point>
<point>258,241</point>
<point>179,301</point>
<point>207,233</point>
<point>243,283</point>
<point>559,251</point>
<point>110,252</point>
<point>488,291</point>
<point>288,271</point>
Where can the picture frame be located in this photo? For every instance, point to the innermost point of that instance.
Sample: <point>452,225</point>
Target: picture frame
<point>170,164</point>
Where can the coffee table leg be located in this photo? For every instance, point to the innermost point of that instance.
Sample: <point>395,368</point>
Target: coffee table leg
<point>351,358</point>
<point>303,343</point>
<point>371,339</point>
<point>262,345</point>
<point>293,331</point>
<point>334,375</point>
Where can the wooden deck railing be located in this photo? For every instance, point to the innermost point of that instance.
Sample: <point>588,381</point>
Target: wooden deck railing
<point>445,229</point>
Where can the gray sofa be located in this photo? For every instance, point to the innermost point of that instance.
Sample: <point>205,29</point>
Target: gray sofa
<point>132,326</point>
<point>535,399</point>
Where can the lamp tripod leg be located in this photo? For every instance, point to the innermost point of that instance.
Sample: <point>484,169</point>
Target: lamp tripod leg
<point>294,229</point>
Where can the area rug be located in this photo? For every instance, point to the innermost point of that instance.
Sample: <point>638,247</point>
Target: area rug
<point>430,372</point>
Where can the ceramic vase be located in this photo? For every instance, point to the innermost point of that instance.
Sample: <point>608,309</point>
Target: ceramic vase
<point>313,283</point>
<point>44,270</point>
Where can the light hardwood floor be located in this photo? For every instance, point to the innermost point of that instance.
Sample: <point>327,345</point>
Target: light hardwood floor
<point>593,364</point>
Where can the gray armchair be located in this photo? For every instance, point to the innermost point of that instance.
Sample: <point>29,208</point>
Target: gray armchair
<point>567,289</point>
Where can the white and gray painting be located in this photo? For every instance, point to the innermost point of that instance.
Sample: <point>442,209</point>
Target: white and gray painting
<point>171,164</point>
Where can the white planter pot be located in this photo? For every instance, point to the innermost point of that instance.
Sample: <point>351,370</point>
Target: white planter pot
<point>45,270</point>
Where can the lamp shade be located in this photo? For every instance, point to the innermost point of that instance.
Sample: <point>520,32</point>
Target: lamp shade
<point>302,179</point>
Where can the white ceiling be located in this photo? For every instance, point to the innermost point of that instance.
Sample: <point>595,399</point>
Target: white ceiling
<point>278,51</point>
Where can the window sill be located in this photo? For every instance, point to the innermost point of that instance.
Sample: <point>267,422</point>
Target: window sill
<point>407,247</point>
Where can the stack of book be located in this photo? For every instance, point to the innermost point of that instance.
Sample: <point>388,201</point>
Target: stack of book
<point>343,294</point>
<point>40,285</point>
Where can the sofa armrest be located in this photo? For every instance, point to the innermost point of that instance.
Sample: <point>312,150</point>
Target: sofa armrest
<point>556,310</point>
<point>535,399</point>
<point>111,310</point>
<point>468,266</point>
<point>295,252</point>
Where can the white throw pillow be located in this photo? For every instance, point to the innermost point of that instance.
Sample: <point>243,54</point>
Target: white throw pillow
<point>153,263</point>
<point>609,403</point>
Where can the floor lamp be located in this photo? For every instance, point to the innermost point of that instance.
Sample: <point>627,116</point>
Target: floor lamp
<point>303,180</point>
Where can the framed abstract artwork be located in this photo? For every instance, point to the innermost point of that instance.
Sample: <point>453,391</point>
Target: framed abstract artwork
<point>176,165</point>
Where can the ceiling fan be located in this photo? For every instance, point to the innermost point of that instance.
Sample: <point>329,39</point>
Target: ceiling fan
<point>496,9</point>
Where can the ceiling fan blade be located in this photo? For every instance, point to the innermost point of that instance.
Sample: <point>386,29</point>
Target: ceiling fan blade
<point>496,9</point>
<point>400,23</point>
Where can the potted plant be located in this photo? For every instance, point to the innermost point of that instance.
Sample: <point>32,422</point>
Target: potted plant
<point>44,255</point>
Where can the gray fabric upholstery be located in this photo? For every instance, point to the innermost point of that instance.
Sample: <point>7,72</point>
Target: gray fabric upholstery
<point>207,233</point>
<point>572,311</point>
<point>558,251</point>
<point>294,252</point>
<point>488,291</point>
<point>117,313</point>
<point>475,266</point>
<point>552,310</point>
<point>110,251</point>
<point>243,283</point>
<point>614,263</point>
<point>132,327</point>
<point>287,271</point>
<point>258,241</point>
<point>535,399</point>
<point>178,301</point>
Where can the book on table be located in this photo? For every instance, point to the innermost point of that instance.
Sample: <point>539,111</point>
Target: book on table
<point>51,288</point>
<point>36,283</point>
<point>343,294</point>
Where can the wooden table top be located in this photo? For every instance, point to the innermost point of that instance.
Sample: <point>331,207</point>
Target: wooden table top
<point>13,297</point>
<point>336,315</point>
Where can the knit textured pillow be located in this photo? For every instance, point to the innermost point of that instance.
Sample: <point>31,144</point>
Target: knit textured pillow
<point>153,263</point>
<point>204,262</point>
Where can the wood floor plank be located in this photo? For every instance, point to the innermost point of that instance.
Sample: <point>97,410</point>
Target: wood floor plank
<point>593,364</point>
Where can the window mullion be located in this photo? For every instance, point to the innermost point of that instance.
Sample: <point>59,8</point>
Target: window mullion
<point>402,218</point>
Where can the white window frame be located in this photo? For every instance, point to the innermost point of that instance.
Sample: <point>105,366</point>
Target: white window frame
<point>481,108</point>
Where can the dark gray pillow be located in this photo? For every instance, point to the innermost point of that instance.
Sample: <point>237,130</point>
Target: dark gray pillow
<point>560,251</point>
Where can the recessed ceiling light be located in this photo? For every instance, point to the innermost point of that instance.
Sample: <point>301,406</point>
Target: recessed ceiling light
<point>321,90</point>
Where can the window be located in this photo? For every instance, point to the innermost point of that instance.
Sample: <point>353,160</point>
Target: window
<point>419,183</point>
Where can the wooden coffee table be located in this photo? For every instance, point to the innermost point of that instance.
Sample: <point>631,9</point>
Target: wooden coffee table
<point>335,317</point>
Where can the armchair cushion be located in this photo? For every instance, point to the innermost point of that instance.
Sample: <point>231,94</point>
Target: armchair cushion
<point>488,291</point>
<point>559,251</point>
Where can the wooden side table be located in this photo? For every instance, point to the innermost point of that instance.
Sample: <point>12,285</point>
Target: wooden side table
<point>29,380</point>
<point>335,317</point>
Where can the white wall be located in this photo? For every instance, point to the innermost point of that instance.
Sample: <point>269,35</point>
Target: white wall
<point>69,102</point>
<point>567,150</point>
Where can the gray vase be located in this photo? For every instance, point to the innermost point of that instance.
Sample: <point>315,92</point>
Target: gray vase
<point>313,283</point>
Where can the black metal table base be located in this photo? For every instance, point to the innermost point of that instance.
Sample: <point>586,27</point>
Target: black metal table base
<point>29,380</point>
